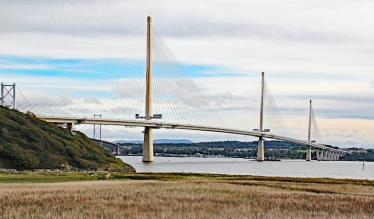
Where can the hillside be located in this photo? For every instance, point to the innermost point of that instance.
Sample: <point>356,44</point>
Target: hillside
<point>27,142</point>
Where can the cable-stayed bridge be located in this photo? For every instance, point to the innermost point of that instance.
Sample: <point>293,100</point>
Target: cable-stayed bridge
<point>172,100</point>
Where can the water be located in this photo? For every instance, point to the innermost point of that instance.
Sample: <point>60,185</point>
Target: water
<point>240,166</point>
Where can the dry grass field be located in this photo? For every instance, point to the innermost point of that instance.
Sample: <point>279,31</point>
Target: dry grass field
<point>189,197</point>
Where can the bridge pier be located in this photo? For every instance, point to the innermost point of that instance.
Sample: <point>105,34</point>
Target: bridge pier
<point>325,155</point>
<point>336,156</point>
<point>333,155</point>
<point>148,145</point>
<point>117,151</point>
<point>70,126</point>
<point>309,153</point>
<point>260,149</point>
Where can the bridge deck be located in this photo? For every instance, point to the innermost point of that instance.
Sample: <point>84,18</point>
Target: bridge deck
<point>158,125</point>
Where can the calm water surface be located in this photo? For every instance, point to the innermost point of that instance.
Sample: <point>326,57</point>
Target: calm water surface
<point>296,168</point>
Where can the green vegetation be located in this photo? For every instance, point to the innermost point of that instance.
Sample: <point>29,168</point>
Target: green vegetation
<point>359,155</point>
<point>27,142</point>
<point>41,177</point>
<point>278,149</point>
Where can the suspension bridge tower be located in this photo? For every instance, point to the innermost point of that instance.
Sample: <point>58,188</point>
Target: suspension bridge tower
<point>8,90</point>
<point>309,149</point>
<point>260,148</point>
<point>148,136</point>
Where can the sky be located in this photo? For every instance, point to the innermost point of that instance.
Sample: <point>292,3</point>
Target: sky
<point>309,50</point>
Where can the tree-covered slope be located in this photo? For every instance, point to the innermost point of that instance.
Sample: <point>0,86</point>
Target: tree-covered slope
<point>27,142</point>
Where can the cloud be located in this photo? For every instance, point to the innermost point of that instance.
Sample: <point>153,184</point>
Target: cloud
<point>303,59</point>
<point>84,110</point>
<point>123,110</point>
<point>92,99</point>
<point>129,88</point>
<point>187,85</point>
<point>88,17</point>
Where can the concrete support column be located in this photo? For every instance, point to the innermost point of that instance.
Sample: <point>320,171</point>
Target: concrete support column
<point>326,155</point>
<point>117,151</point>
<point>70,126</point>
<point>260,149</point>
<point>309,153</point>
<point>148,148</point>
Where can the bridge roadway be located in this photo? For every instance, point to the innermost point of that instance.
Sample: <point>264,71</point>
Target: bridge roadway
<point>157,125</point>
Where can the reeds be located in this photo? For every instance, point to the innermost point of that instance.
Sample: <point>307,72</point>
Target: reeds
<point>186,198</point>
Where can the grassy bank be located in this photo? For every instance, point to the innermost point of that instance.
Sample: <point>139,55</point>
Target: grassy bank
<point>181,195</point>
<point>157,195</point>
<point>40,177</point>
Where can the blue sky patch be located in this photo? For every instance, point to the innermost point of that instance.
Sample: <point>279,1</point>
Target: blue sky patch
<point>104,68</point>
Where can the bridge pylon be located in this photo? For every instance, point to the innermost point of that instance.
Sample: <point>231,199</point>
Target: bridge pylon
<point>148,135</point>
<point>260,148</point>
<point>309,149</point>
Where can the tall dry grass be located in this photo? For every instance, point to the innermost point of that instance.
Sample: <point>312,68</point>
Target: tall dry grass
<point>192,198</point>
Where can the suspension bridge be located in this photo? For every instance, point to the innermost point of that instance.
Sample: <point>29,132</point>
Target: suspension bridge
<point>177,102</point>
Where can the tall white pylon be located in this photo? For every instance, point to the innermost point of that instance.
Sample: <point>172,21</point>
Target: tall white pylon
<point>148,136</point>
<point>309,149</point>
<point>260,148</point>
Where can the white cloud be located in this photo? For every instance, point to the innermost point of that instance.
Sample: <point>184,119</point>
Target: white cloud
<point>91,99</point>
<point>123,110</point>
<point>309,50</point>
